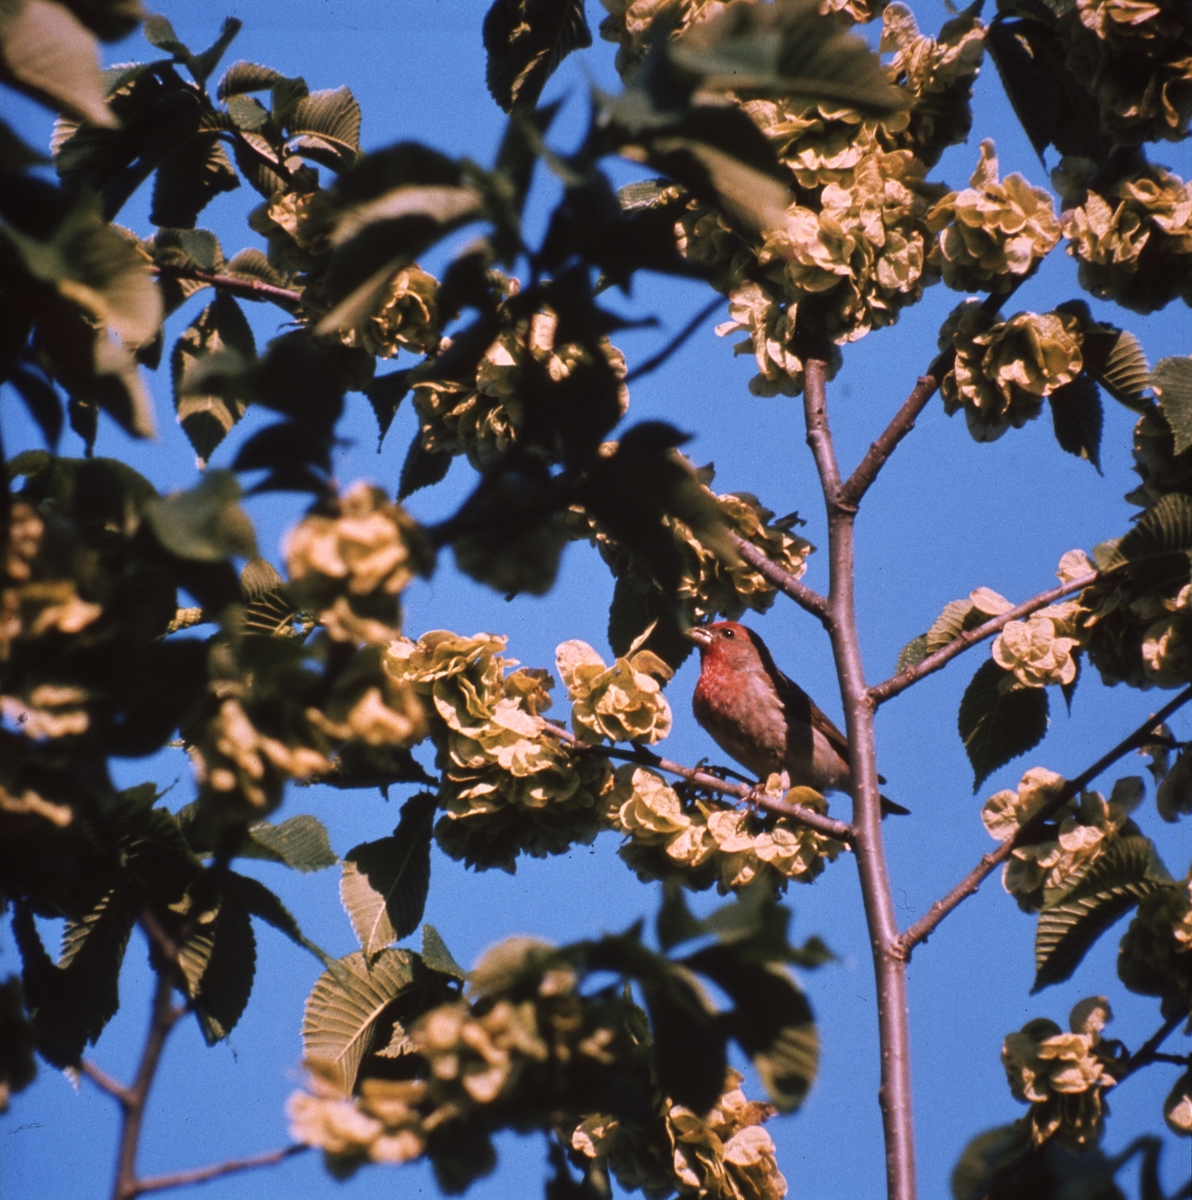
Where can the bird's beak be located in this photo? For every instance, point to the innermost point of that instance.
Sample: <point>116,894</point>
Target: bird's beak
<point>700,636</point>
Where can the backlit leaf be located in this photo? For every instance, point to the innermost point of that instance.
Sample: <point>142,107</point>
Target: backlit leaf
<point>1113,884</point>
<point>385,883</point>
<point>997,725</point>
<point>207,417</point>
<point>1117,361</point>
<point>339,1022</point>
<point>300,842</point>
<point>1172,381</point>
<point>525,41</point>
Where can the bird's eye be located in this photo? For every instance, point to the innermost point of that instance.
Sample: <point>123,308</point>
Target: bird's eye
<point>728,633</point>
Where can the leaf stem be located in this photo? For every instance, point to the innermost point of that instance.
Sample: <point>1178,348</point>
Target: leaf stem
<point>250,289</point>
<point>1148,1052</point>
<point>1141,736</point>
<point>750,793</point>
<point>894,1094</point>
<point>941,657</point>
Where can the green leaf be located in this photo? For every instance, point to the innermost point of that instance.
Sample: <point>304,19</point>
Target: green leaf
<point>300,842</point>
<point>71,1002</point>
<point>243,77</point>
<point>1077,417</point>
<point>437,957</point>
<point>160,33</point>
<point>912,654</point>
<point>1162,533</point>
<point>1111,885</point>
<point>422,468</point>
<point>207,417</point>
<point>340,1020</point>
<point>385,883</point>
<point>219,963</point>
<point>676,922</point>
<point>526,40</point>
<point>257,900</point>
<point>1025,76</point>
<point>1116,360</point>
<point>957,617</point>
<point>786,49</point>
<point>204,523</point>
<point>1172,382</point>
<point>189,179</point>
<point>47,53</point>
<point>252,264</point>
<point>331,117</point>
<point>771,1020</point>
<point>997,725</point>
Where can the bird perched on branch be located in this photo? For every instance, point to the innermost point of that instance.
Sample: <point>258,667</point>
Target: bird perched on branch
<point>762,719</point>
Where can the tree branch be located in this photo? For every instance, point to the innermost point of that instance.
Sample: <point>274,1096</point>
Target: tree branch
<point>894,1095</point>
<point>106,1083</point>
<point>750,793</point>
<point>250,289</point>
<point>923,928</point>
<point>904,419</point>
<point>164,1016</point>
<point>784,581</point>
<point>1148,1052</point>
<point>941,657</point>
<point>652,364</point>
<point>159,1183</point>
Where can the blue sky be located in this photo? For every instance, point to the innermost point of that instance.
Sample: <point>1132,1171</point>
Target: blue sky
<point>946,516</point>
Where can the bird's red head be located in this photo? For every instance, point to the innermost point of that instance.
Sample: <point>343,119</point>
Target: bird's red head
<point>726,645</point>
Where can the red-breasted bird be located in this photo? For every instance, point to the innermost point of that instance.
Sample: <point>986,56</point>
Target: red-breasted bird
<point>762,719</point>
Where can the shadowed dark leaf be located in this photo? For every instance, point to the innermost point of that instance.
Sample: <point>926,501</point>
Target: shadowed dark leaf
<point>525,41</point>
<point>422,468</point>
<point>997,725</point>
<point>1077,416</point>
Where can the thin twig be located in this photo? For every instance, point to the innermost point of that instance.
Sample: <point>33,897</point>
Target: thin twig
<point>1148,1052</point>
<point>940,658</point>
<point>784,581</point>
<point>904,419</point>
<point>894,1094</point>
<point>652,364</point>
<point>159,1183</point>
<point>922,928</point>
<point>751,794</point>
<point>106,1083</point>
<point>250,289</point>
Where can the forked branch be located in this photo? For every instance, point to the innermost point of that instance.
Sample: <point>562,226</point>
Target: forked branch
<point>941,657</point>
<point>784,581</point>
<point>924,927</point>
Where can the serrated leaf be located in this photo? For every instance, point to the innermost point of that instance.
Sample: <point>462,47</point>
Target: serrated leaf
<point>1172,381</point>
<point>224,987</point>
<point>1111,885</point>
<point>997,726</point>
<point>1028,84</point>
<point>525,41</point>
<point>912,654</point>
<point>333,116</point>
<point>257,900</point>
<point>954,620</point>
<point>339,1021</point>
<point>247,77</point>
<point>204,523</point>
<point>46,52</point>
<point>422,468</point>
<point>1077,417</point>
<point>1163,531</point>
<point>207,417</point>
<point>785,50</point>
<point>160,33</point>
<point>633,610</point>
<point>437,957</point>
<point>1117,361</point>
<point>385,394</point>
<point>252,264</point>
<point>385,883</point>
<point>300,842</point>
<point>189,179</point>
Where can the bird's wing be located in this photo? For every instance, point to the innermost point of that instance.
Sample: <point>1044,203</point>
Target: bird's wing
<point>797,701</point>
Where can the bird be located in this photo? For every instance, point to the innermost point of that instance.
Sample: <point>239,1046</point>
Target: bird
<point>763,719</point>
